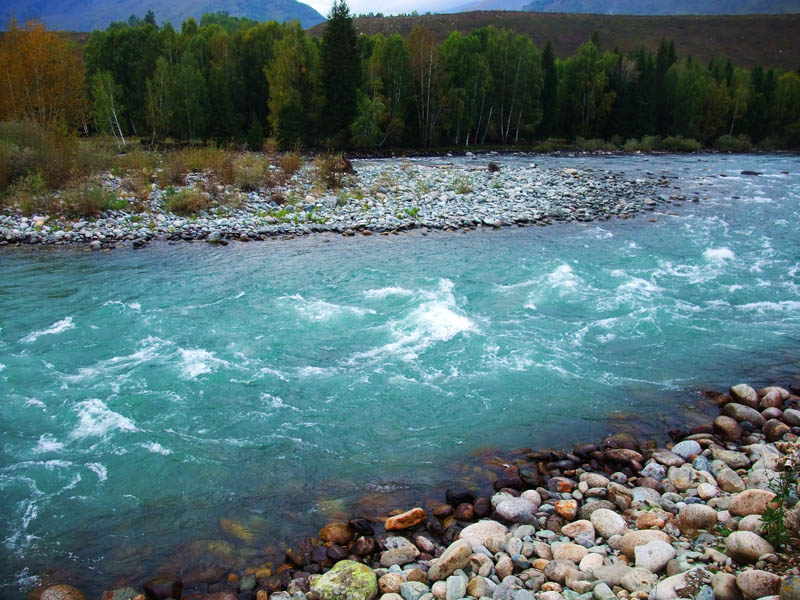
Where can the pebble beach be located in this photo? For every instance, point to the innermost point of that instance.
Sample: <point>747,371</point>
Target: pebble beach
<point>380,197</point>
<point>615,520</point>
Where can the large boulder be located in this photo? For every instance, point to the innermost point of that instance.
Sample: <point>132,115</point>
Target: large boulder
<point>745,546</point>
<point>632,539</point>
<point>682,585</point>
<point>455,557</point>
<point>750,502</point>
<point>696,516</point>
<point>607,522</point>
<point>347,580</point>
<point>477,533</point>
<point>757,584</point>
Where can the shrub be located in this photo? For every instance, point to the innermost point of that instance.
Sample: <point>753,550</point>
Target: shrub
<point>728,143</point>
<point>95,155</point>
<point>249,171</point>
<point>290,163</point>
<point>330,170</point>
<point>82,199</point>
<point>31,195</point>
<point>173,170</point>
<point>543,147</point>
<point>187,201</point>
<point>594,145</point>
<point>680,144</point>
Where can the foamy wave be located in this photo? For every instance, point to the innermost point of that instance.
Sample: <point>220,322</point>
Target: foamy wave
<point>196,362</point>
<point>149,350</point>
<point>385,292</point>
<point>96,419</point>
<point>99,470</point>
<point>718,254</point>
<point>156,448</point>
<point>435,320</point>
<point>320,310</point>
<point>563,278</point>
<point>2,366</point>
<point>48,443</point>
<point>57,327</point>
<point>762,307</point>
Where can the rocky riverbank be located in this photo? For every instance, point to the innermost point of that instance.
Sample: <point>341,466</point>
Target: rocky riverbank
<point>617,520</point>
<point>381,197</point>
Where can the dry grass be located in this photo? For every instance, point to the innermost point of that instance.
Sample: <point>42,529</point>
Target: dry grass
<point>249,171</point>
<point>188,201</point>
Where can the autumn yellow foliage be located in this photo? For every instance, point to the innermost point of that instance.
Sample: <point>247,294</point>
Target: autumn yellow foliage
<point>41,77</point>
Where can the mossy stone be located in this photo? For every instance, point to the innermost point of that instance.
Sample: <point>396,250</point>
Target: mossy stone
<point>347,580</point>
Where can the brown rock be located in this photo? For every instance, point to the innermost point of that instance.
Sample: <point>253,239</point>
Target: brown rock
<point>774,430</point>
<point>744,394</point>
<point>410,518</point>
<point>581,527</point>
<point>667,458</point>
<point>464,512</point>
<point>632,539</point>
<point>337,533</point>
<point>742,413</point>
<point>724,586</point>
<point>567,509</point>
<point>390,583</point>
<point>622,455</point>
<point>728,428</point>
<point>650,520</point>
<point>745,547</point>
<point>569,551</point>
<point>750,502</point>
<point>455,557</point>
<point>771,398</point>
<point>757,584</point>
<point>696,516</point>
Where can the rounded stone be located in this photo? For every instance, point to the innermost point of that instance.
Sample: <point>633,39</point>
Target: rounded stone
<point>591,561</point>
<point>517,510</point>
<point>477,533</point>
<point>775,430</point>
<point>745,547</point>
<point>742,413</point>
<point>697,516</point>
<point>706,491</point>
<point>744,394</point>
<point>406,520</point>
<point>750,502</point>
<point>576,528</point>
<point>347,580</point>
<point>569,551</point>
<point>390,583</point>
<point>791,417</point>
<point>632,539</point>
<point>728,428</point>
<point>567,509</point>
<point>337,533</point>
<point>162,587</point>
<point>757,584</point>
<point>62,591</point>
<point>654,555</point>
<point>607,523</point>
<point>686,449</point>
<point>751,523</point>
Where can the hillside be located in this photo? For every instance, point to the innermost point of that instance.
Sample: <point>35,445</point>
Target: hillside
<point>658,7</point>
<point>86,15</point>
<point>748,40</point>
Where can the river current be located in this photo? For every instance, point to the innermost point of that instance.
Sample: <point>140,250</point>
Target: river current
<point>190,402</point>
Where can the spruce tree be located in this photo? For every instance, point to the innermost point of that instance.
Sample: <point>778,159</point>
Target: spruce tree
<point>549,93</point>
<point>341,73</point>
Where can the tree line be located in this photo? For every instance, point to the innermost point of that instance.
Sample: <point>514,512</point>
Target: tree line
<point>227,79</point>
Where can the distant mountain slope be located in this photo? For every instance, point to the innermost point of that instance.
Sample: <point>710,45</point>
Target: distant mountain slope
<point>659,7</point>
<point>86,15</point>
<point>749,40</point>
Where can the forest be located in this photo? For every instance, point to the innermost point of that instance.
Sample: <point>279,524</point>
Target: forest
<point>234,81</point>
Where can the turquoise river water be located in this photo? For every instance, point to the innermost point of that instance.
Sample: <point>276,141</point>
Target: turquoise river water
<point>182,402</point>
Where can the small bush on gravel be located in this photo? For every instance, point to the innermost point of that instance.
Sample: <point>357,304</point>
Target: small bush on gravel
<point>330,170</point>
<point>84,199</point>
<point>187,201</point>
<point>290,163</point>
<point>249,171</point>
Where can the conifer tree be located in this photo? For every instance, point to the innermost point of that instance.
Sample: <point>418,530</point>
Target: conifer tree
<point>341,73</point>
<point>549,93</point>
